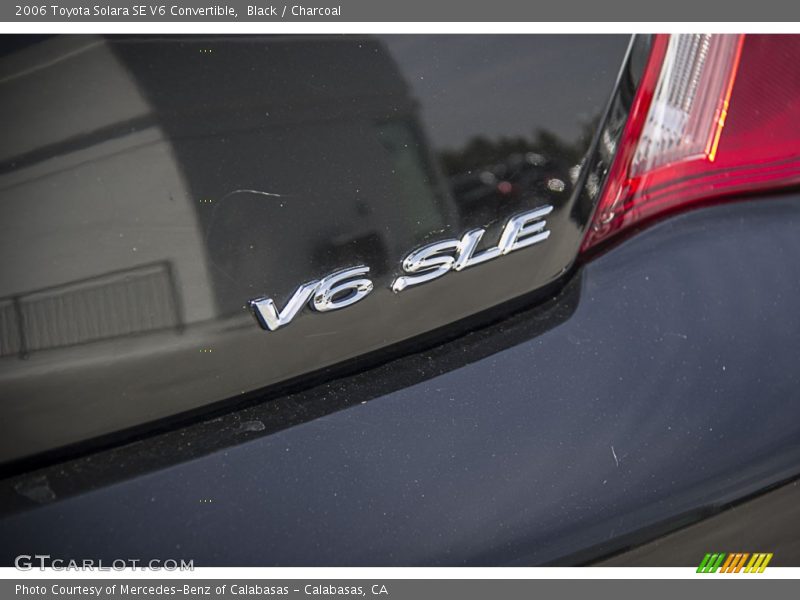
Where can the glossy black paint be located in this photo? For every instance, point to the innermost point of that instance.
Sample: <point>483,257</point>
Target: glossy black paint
<point>149,187</point>
<point>667,389</point>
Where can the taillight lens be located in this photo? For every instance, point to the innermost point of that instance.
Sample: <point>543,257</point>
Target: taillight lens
<point>714,115</point>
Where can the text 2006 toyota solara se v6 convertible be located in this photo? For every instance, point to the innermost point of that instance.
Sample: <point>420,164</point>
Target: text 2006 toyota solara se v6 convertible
<point>400,300</point>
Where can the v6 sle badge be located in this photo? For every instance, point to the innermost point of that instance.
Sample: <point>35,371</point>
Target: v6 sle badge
<point>348,286</point>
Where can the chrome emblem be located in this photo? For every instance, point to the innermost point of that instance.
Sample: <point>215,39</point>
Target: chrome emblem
<point>347,286</point>
<point>337,290</point>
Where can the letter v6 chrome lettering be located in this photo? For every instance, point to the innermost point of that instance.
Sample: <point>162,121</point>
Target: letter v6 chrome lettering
<point>337,290</point>
<point>347,286</point>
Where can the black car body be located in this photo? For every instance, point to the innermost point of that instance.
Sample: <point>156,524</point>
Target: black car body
<point>556,404</point>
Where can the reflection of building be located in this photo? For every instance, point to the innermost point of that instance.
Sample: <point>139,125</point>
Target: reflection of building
<point>235,189</point>
<point>294,168</point>
<point>88,191</point>
<point>148,189</point>
<point>117,304</point>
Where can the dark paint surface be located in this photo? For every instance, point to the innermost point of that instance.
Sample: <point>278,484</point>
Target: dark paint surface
<point>670,389</point>
<point>771,520</point>
<point>150,187</point>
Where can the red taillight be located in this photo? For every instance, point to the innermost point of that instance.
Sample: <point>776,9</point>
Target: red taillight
<point>714,115</point>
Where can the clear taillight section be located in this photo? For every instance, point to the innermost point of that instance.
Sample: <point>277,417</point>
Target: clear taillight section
<point>690,103</point>
<point>714,115</point>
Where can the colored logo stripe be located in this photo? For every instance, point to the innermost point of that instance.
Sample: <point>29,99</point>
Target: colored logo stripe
<point>734,562</point>
<point>711,563</point>
<point>758,563</point>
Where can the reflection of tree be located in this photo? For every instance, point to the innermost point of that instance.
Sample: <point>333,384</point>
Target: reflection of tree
<point>480,152</point>
<point>490,177</point>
